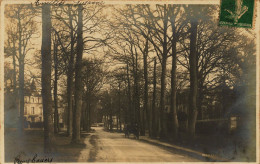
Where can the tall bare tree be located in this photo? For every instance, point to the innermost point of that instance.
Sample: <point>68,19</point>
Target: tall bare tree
<point>19,38</point>
<point>70,73</point>
<point>177,28</point>
<point>154,118</point>
<point>55,90</point>
<point>46,78</point>
<point>78,79</point>
<point>65,28</point>
<point>159,30</point>
<point>193,78</point>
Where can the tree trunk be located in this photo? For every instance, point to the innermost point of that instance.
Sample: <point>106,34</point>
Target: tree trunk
<point>145,54</point>
<point>126,108</point>
<point>162,100</point>
<point>154,120</point>
<point>55,92</point>
<point>117,123</point>
<point>163,130</point>
<point>21,93</point>
<point>120,123</point>
<point>110,115</point>
<point>14,75</point>
<point>119,105</point>
<point>88,113</point>
<point>137,97</point>
<point>200,100</point>
<point>21,76</point>
<point>193,80</point>
<point>70,100</point>
<point>173,81</point>
<point>78,80</point>
<point>46,78</point>
<point>84,115</point>
<point>70,77</point>
<point>131,116</point>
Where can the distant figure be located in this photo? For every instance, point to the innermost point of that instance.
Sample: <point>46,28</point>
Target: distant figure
<point>128,129</point>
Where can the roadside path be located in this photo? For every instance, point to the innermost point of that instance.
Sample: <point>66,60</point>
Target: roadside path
<point>103,146</point>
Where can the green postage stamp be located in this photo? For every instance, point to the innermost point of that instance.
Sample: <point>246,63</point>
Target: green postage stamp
<point>237,13</point>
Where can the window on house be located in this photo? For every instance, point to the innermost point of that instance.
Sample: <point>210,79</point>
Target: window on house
<point>33,110</point>
<point>33,100</point>
<point>40,110</point>
<point>25,110</point>
<point>233,122</point>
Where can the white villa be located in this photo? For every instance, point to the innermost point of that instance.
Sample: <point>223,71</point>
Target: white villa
<point>33,108</point>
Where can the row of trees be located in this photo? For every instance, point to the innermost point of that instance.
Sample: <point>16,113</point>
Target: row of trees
<point>62,49</point>
<point>76,31</point>
<point>154,53</point>
<point>185,40</point>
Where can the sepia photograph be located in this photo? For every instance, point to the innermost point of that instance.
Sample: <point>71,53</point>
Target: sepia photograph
<point>131,81</point>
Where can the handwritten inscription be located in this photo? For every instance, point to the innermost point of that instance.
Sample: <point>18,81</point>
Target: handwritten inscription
<point>62,2</point>
<point>18,159</point>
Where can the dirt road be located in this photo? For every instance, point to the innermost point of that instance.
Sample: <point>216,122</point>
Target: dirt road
<point>114,147</point>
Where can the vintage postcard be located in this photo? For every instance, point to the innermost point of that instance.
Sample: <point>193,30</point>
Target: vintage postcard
<point>129,81</point>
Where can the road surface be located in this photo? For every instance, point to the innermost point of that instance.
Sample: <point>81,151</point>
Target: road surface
<point>104,146</point>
